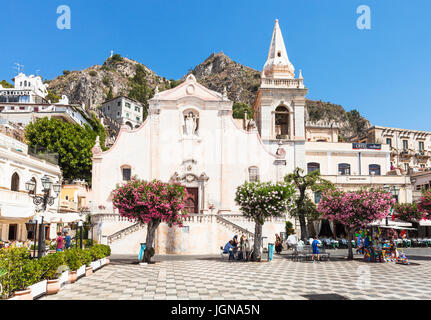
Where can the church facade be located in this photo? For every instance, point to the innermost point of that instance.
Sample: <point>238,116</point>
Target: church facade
<point>191,138</point>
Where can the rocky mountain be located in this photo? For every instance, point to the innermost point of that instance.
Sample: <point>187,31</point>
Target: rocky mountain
<point>219,71</point>
<point>119,75</point>
<point>91,86</point>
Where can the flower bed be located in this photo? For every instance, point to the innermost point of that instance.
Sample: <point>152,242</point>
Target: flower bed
<point>18,272</point>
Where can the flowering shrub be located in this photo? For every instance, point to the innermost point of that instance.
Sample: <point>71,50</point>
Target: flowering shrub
<point>355,209</point>
<point>424,204</point>
<point>259,200</point>
<point>408,212</point>
<point>151,203</point>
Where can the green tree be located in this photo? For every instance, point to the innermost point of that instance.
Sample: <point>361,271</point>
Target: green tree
<point>305,208</point>
<point>66,72</point>
<point>239,108</point>
<point>5,84</point>
<point>71,142</point>
<point>51,96</point>
<point>109,95</point>
<point>139,89</point>
<point>116,58</point>
<point>261,200</point>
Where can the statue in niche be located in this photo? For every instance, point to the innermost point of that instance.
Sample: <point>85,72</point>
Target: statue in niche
<point>190,124</point>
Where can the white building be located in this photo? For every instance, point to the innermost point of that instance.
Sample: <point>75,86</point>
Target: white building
<point>190,137</point>
<point>123,110</point>
<point>27,89</point>
<point>17,167</point>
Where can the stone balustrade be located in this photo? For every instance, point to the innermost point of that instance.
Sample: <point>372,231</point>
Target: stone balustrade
<point>282,83</point>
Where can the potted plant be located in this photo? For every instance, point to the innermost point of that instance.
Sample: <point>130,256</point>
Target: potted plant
<point>73,261</point>
<point>18,272</point>
<point>86,261</point>
<point>53,266</point>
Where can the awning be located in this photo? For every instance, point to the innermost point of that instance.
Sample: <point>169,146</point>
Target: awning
<point>425,223</point>
<point>395,223</point>
<point>397,228</point>
<point>11,214</point>
<point>67,217</point>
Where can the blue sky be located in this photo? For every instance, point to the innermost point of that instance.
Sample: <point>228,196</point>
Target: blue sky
<point>383,72</point>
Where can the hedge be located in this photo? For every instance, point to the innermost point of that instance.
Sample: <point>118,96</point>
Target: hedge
<point>18,271</point>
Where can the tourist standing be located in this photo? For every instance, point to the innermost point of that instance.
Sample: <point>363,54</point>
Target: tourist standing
<point>67,240</point>
<point>60,242</point>
<point>315,247</point>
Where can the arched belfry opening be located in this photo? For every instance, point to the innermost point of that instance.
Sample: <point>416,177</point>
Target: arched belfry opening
<point>282,130</point>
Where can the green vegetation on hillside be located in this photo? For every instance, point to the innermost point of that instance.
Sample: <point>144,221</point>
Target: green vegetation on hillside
<point>139,89</point>
<point>6,84</point>
<point>51,96</point>
<point>319,110</point>
<point>239,108</point>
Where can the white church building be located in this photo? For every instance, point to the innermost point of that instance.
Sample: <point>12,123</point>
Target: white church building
<point>190,137</point>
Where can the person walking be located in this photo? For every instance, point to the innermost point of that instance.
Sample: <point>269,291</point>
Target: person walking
<point>60,242</point>
<point>67,240</point>
<point>315,247</point>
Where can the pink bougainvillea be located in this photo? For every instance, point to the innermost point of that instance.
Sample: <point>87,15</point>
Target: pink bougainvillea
<point>355,209</point>
<point>143,201</point>
<point>151,203</point>
<point>424,204</point>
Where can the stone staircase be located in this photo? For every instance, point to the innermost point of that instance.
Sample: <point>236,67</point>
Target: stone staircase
<point>124,235</point>
<point>236,229</point>
<point>124,232</point>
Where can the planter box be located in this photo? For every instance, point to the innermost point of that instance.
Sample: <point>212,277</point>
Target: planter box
<point>64,278</point>
<point>80,272</point>
<point>102,261</point>
<point>96,265</point>
<point>38,289</point>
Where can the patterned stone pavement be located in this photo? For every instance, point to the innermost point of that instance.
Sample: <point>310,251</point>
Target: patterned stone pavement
<point>209,277</point>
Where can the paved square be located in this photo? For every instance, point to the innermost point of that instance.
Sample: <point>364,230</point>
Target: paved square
<point>209,277</point>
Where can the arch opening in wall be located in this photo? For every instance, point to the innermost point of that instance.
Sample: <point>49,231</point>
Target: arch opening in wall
<point>35,186</point>
<point>282,129</point>
<point>14,185</point>
<point>129,124</point>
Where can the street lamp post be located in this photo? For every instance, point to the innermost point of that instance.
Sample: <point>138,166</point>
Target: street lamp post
<point>41,203</point>
<point>80,233</point>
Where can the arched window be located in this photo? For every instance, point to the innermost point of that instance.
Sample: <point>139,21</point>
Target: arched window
<point>374,168</point>
<point>14,186</point>
<point>128,123</point>
<point>281,122</point>
<point>344,169</point>
<point>253,174</point>
<point>313,166</point>
<point>35,186</point>
<point>126,172</point>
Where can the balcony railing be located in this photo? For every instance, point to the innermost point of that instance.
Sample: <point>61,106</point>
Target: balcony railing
<point>283,83</point>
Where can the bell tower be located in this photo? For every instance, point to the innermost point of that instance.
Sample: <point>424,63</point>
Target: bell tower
<point>280,103</point>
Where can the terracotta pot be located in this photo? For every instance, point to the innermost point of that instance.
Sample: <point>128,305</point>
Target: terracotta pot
<point>107,261</point>
<point>88,271</point>
<point>72,276</point>
<point>53,286</point>
<point>24,294</point>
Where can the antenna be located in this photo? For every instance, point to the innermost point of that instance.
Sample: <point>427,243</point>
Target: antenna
<point>18,67</point>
